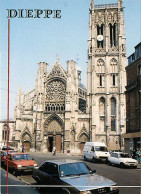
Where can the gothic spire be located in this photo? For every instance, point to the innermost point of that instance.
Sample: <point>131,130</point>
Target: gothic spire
<point>120,3</point>
<point>92,5</point>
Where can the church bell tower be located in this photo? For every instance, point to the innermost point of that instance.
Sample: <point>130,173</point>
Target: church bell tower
<point>106,75</point>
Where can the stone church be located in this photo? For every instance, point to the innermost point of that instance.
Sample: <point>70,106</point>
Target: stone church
<point>60,111</point>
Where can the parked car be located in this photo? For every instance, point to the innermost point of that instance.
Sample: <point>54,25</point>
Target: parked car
<point>72,177</point>
<point>122,159</point>
<point>4,155</point>
<point>94,151</point>
<point>19,162</point>
<point>5,148</point>
<point>111,151</point>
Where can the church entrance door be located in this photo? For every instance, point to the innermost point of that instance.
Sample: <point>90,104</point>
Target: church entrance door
<point>50,144</point>
<point>82,146</point>
<point>58,143</point>
<point>26,146</point>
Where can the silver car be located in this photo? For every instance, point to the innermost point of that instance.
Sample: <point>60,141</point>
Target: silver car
<point>70,176</point>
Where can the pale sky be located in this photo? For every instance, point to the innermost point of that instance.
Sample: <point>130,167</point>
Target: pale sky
<point>36,40</point>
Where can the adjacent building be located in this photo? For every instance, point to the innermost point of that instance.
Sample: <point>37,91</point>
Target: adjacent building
<point>133,101</point>
<point>3,134</point>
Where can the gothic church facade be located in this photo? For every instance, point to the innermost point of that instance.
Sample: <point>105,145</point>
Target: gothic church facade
<point>60,111</point>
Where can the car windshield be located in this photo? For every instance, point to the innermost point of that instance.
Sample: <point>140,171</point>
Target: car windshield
<point>5,153</point>
<point>102,149</point>
<point>21,157</point>
<point>73,169</point>
<point>124,156</point>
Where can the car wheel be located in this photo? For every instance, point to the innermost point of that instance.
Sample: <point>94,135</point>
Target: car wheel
<point>106,161</point>
<point>15,172</point>
<point>85,158</point>
<point>37,180</point>
<point>94,160</point>
<point>110,164</point>
<point>66,191</point>
<point>121,165</point>
<point>135,167</point>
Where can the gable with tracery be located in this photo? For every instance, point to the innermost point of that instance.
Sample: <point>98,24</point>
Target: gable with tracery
<point>57,71</point>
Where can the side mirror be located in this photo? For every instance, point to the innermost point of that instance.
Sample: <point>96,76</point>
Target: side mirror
<point>93,171</point>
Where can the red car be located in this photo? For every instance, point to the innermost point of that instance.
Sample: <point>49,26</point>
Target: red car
<point>19,162</point>
<point>4,155</point>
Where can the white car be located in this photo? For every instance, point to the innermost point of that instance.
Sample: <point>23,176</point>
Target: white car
<point>122,159</point>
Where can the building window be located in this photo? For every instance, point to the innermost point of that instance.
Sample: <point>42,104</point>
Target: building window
<point>82,105</point>
<point>114,80</point>
<point>113,38</point>
<point>102,114</point>
<point>100,80</point>
<point>99,32</point>
<point>53,107</point>
<point>113,114</point>
<point>4,133</point>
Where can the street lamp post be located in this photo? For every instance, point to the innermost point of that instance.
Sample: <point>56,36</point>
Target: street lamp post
<point>35,129</point>
<point>35,136</point>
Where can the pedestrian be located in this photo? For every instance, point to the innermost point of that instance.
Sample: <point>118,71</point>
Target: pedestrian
<point>23,148</point>
<point>54,151</point>
<point>134,154</point>
<point>138,155</point>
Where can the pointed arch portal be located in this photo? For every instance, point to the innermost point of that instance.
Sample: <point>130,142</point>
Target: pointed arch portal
<point>54,128</point>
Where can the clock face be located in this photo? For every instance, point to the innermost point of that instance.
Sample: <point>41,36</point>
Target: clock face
<point>99,37</point>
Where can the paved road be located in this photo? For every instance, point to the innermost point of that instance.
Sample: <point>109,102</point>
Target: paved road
<point>123,177</point>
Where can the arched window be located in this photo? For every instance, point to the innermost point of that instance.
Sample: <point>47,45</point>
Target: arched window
<point>114,71</point>
<point>100,66</point>
<point>100,70</point>
<point>113,34</point>
<point>100,32</point>
<point>4,133</point>
<point>102,106</point>
<point>102,113</point>
<point>113,114</point>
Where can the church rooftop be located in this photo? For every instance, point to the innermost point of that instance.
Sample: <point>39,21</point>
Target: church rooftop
<point>82,86</point>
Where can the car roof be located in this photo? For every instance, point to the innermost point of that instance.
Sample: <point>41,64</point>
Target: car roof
<point>15,153</point>
<point>9,151</point>
<point>119,153</point>
<point>64,161</point>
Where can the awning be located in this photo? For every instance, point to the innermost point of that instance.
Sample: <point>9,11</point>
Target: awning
<point>131,135</point>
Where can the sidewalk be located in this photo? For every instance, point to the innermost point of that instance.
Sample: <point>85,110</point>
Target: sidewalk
<point>139,166</point>
<point>15,186</point>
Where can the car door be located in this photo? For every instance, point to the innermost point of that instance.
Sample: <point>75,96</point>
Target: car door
<point>44,175</point>
<point>9,161</point>
<point>111,158</point>
<point>54,174</point>
<point>91,153</point>
<point>116,159</point>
